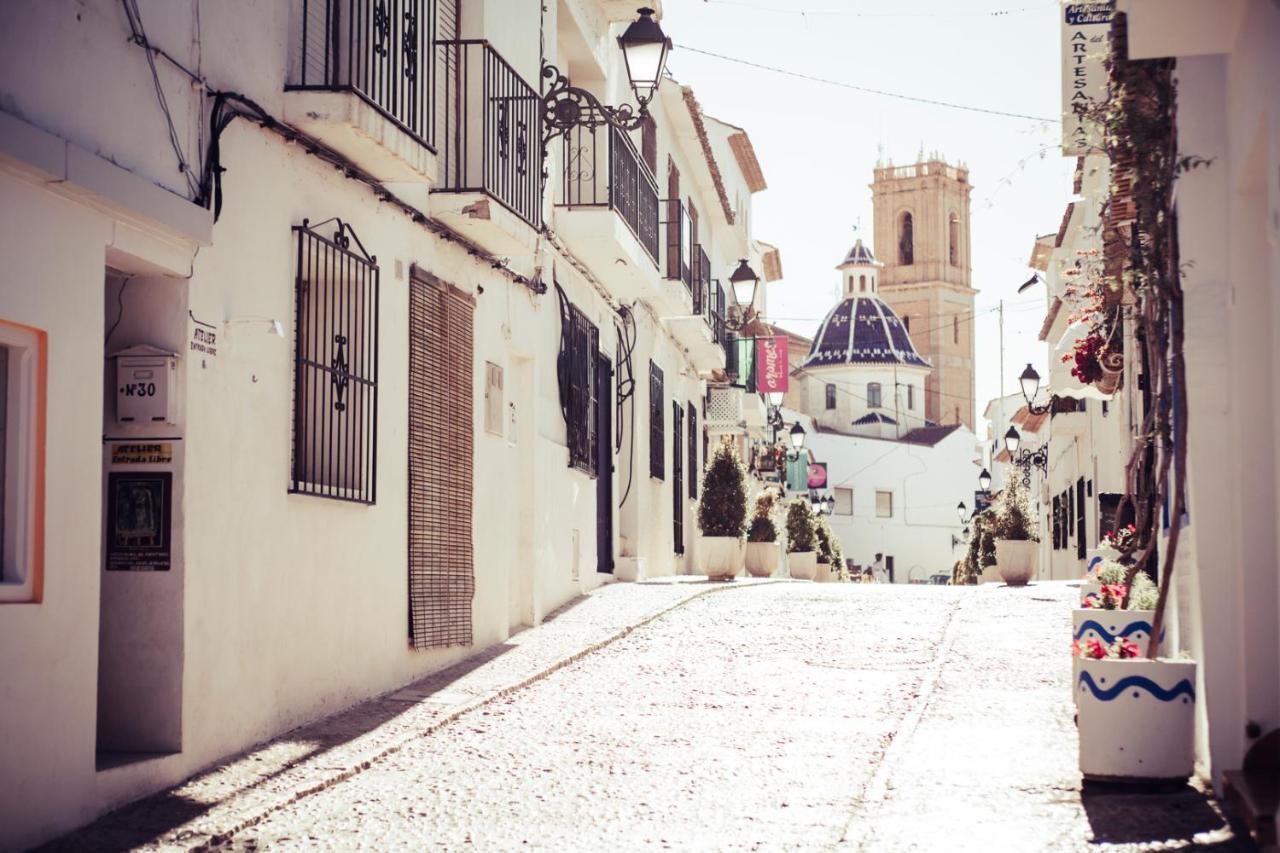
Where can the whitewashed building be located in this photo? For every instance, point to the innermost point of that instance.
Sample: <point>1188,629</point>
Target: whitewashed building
<point>1225,603</point>
<point>312,382</point>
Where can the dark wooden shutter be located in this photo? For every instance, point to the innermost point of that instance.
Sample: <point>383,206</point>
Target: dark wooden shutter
<point>674,252</point>
<point>677,472</point>
<point>656,436</point>
<point>441,430</point>
<point>693,451</point>
<point>649,144</point>
<point>1080,519</point>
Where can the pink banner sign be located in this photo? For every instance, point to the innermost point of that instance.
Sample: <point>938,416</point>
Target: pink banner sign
<point>772,369</point>
<point>817,475</point>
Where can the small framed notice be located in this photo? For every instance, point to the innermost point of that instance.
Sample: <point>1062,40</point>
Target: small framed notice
<point>138,521</point>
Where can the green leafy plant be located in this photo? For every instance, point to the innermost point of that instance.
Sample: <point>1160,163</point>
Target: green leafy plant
<point>723,508</point>
<point>837,557</point>
<point>763,528</point>
<point>800,533</point>
<point>982,547</point>
<point>822,536</point>
<point>1014,520</point>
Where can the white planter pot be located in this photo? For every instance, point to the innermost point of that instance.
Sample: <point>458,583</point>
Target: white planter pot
<point>723,556</point>
<point>803,565</point>
<point>823,574</point>
<point>1092,623</point>
<point>1017,560</point>
<point>1095,556</point>
<point>762,558</point>
<point>1136,719</point>
<point>1090,593</point>
<point>990,574</point>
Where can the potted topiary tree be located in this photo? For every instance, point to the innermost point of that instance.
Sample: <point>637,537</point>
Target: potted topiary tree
<point>822,541</point>
<point>762,536</point>
<point>802,559</point>
<point>722,512</point>
<point>1016,537</point>
<point>838,570</point>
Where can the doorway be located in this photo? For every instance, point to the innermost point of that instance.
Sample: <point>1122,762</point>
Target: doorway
<point>604,464</point>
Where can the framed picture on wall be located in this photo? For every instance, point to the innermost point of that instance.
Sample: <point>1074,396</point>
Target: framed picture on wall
<point>138,521</point>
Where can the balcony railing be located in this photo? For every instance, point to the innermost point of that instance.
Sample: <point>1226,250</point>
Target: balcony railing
<point>678,242</point>
<point>601,168</point>
<point>490,129</point>
<point>379,50</point>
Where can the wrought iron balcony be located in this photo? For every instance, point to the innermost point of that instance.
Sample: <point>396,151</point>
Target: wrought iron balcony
<point>379,50</point>
<point>601,168</point>
<point>489,128</point>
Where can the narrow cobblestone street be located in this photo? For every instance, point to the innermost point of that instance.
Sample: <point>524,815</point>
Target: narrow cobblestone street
<point>775,716</point>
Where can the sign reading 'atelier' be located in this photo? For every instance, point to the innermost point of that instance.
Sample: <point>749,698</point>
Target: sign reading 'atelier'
<point>1086,41</point>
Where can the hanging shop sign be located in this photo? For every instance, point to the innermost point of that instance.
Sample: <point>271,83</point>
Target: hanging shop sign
<point>981,501</point>
<point>772,367</point>
<point>138,521</point>
<point>1086,42</point>
<point>817,475</point>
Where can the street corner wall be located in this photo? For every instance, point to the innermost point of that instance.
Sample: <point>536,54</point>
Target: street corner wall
<point>53,281</point>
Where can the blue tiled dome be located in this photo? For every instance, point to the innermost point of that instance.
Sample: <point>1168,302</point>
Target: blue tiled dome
<point>862,330</point>
<point>859,254</point>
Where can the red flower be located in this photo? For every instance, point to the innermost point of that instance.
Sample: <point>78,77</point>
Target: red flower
<point>1095,649</point>
<point>1126,649</point>
<point>1075,648</point>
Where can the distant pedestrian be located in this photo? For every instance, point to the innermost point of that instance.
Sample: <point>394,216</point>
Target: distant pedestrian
<point>878,571</point>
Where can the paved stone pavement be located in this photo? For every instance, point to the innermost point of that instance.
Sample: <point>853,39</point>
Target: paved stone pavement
<point>780,716</point>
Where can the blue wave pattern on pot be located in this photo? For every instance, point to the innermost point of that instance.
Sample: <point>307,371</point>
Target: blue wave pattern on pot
<point>1093,564</point>
<point>1092,598</point>
<point>1108,637</point>
<point>1106,694</point>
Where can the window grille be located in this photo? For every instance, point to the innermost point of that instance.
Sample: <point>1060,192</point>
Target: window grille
<point>693,452</point>
<point>873,395</point>
<point>335,393</point>
<point>579,345</point>
<point>677,475</point>
<point>656,442</point>
<point>441,448</point>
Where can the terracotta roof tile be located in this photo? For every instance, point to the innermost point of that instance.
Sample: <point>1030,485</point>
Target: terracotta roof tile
<point>695,112</point>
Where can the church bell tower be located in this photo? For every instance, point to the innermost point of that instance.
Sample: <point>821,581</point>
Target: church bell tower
<point>922,238</point>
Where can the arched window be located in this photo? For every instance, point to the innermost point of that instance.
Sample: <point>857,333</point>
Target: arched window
<point>873,395</point>
<point>906,240</point>
<point>862,283</point>
<point>831,396</point>
<point>953,239</point>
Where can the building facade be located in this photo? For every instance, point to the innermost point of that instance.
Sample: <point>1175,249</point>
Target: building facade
<point>297,314</point>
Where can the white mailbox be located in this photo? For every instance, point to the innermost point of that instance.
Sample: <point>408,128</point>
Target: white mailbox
<point>144,385</point>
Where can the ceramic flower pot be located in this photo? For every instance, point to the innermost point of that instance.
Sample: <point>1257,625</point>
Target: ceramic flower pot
<point>1105,626</point>
<point>1017,560</point>
<point>723,556</point>
<point>1112,364</point>
<point>762,558</point>
<point>1090,594</point>
<point>1136,719</point>
<point>1094,557</point>
<point>803,565</point>
<point>823,574</point>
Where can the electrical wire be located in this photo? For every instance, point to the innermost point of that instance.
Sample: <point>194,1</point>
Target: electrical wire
<point>119,311</point>
<point>867,89</point>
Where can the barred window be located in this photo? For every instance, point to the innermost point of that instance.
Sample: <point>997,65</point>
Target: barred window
<point>335,390</point>
<point>579,345</point>
<point>873,395</point>
<point>693,451</point>
<point>657,444</point>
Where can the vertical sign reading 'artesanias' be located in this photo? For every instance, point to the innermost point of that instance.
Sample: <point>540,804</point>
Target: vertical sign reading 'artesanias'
<point>772,368</point>
<point>1086,41</point>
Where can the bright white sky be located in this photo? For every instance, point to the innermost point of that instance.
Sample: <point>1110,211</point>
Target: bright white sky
<point>818,143</point>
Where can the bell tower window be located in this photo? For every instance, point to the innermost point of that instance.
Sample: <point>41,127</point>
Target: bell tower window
<point>906,240</point>
<point>953,240</point>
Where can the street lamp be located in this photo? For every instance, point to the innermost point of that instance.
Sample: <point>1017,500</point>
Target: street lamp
<point>962,511</point>
<point>1030,382</point>
<point>797,441</point>
<point>984,480</point>
<point>831,503</point>
<point>775,398</point>
<point>1011,441</point>
<point>1026,458</point>
<point>565,106</point>
<point>746,285</point>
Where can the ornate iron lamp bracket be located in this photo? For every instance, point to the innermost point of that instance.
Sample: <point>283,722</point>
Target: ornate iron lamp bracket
<point>1027,458</point>
<point>566,106</point>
